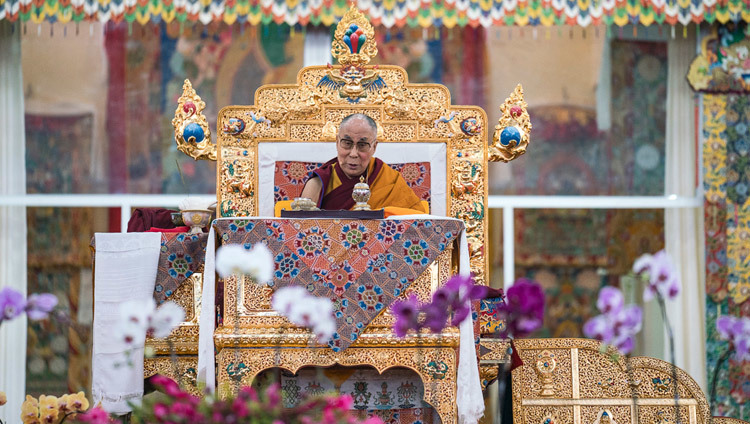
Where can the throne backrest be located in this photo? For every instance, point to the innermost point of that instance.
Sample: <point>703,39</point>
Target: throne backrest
<point>298,123</point>
<point>289,178</point>
<point>285,167</point>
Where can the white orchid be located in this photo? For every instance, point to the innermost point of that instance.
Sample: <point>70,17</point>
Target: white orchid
<point>165,319</point>
<point>141,317</point>
<point>260,266</point>
<point>285,297</point>
<point>134,318</point>
<point>234,259</point>
<point>303,309</point>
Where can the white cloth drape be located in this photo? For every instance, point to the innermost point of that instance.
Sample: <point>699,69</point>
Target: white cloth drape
<point>125,269</point>
<point>469,400</point>
<point>12,218</point>
<point>683,228</point>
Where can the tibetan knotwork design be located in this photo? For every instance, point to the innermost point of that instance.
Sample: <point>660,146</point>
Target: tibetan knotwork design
<point>191,130</point>
<point>512,133</point>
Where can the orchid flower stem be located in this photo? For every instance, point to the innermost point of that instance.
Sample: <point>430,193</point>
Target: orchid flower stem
<point>712,396</point>
<point>175,363</point>
<point>671,356</point>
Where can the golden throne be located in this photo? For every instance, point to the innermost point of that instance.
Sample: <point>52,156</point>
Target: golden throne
<point>297,123</point>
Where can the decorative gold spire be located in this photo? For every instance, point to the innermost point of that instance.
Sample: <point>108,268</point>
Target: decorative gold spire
<point>354,40</point>
<point>512,133</point>
<point>191,130</point>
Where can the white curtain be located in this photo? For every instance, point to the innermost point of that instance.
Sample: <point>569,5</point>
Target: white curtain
<point>12,218</point>
<point>317,47</point>
<point>683,228</point>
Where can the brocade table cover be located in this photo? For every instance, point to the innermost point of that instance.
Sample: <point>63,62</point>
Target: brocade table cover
<point>361,265</point>
<point>180,256</point>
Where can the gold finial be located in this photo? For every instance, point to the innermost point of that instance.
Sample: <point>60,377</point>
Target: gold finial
<point>191,130</point>
<point>354,40</point>
<point>512,133</point>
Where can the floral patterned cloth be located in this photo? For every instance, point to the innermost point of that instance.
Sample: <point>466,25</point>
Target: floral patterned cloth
<point>362,266</point>
<point>181,255</point>
<point>290,178</point>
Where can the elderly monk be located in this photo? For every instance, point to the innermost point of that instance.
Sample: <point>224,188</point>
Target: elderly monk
<point>332,184</point>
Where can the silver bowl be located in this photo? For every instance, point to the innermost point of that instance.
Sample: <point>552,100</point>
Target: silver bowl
<point>196,219</point>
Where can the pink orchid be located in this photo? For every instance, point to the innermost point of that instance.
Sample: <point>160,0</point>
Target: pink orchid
<point>663,280</point>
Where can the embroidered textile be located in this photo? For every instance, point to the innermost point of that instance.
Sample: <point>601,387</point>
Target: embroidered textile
<point>362,266</point>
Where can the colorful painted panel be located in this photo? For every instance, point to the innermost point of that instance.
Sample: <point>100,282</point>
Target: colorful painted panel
<point>727,227</point>
<point>147,71</point>
<point>396,395</point>
<point>638,133</point>
<point>59,236</point>
<point>59,356</point>
<point>51,142</point>
<point>606,244</point>
<point>568,295</point>
<point>290,177</point>
<point>722,66</point>
<point>58,350</point>
<point>568,237</point>
<point>362,266</point>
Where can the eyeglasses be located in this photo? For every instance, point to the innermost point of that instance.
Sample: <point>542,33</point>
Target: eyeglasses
<point>347,144</point>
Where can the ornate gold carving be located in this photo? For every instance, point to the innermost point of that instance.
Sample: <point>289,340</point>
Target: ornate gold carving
<point>354,53</point>
<point>183,371</point>
<point>352,82</point>
<point>494,351</point>
<point>435,366</point>
<point>468,179</point>
<point>329,131</point>
<point>191,130</point>
<point>488,374</point>
<point>353,45</point>
<point>236,175</point>
<point>513,129</point>
<point>605,417</point>
<point>549,419</point>
<point>545,366</point>
<point>600,384</point>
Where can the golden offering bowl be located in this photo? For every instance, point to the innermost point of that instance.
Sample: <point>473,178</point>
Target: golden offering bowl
<point>196,219</point>
<point>304,204</point>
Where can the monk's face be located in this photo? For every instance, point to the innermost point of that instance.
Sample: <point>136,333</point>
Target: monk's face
<point>355,145</point>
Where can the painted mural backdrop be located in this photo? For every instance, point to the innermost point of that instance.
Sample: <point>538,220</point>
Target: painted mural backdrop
<point>59,262</point>
<point>225,65</point>
<point>720,70</point>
